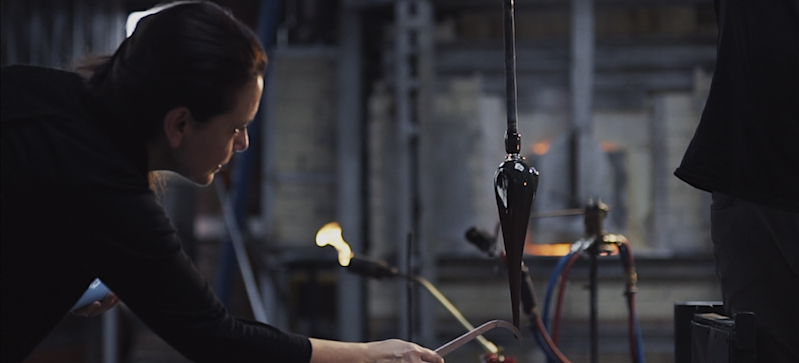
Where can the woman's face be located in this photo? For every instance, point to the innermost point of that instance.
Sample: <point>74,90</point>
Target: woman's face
<point>207,147</point>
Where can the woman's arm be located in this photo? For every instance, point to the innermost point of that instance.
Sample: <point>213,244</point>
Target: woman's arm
<point>385,351</point>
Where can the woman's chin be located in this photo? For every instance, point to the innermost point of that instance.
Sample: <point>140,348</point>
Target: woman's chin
<point>203,180</point>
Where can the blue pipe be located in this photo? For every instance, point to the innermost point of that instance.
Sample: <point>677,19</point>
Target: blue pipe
<point>542,343</point>
<point>553,280</point>
<point>639,341</point>
<point>266,31</point>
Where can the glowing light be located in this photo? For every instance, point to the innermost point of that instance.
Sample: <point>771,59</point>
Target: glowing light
<point>608,146</point>
<point>555,249</point>
<point>330,234</point>
<point>541,148</point>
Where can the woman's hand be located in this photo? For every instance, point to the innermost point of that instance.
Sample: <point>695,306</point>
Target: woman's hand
<point>98,307</point>
<point>400,351</point>
<point>385,351</point>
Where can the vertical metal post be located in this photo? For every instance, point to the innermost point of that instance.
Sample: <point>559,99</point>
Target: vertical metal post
<point>411,57</point>
<point>593,251</point>
<point>240,251</point>
<point>509,30</point>
<point>661,172</point>
<point>409,285</point>
<point>110,320</point>
<point>425,252</point>
<point>595,213</point>
<point>349,174</point>
<point>582,87</point>
<point>275,309</point>
<point>404,132</point>
<point>271,300</point>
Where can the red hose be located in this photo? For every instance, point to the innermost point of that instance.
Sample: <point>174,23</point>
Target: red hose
<point>630,280</point>
<point>552,346</point>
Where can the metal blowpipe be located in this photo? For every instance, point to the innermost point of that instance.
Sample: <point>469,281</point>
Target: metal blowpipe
<point>515,183</point>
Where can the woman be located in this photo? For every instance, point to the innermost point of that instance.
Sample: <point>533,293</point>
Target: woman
<point>76,204</point>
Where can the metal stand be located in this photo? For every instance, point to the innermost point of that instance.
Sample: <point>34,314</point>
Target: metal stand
<point>595,213</point>
<point>412,86</point>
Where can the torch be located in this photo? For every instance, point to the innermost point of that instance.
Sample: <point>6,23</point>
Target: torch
<point>331,234</point>
<point>515,183</point>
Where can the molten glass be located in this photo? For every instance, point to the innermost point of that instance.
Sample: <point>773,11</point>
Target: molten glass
<point>515,185</point>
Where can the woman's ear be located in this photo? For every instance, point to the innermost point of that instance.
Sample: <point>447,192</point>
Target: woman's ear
<point>176,124</point>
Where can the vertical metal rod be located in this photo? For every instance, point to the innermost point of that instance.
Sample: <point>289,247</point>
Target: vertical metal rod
<point>402,175</point>
<point>259,312</point>
<point>409,284</point>
<point>512,137</point>
<point>515,183</point>
<point>110,338</point>
<point>509,31</point>
<point>593,251</point>
<point>595,213</point>
<point>581,76</point>
<point>349,174</point>
<point>574,168</point>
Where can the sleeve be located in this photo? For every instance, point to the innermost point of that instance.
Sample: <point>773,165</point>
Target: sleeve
<point>85,203</point>
<point>135,251</point>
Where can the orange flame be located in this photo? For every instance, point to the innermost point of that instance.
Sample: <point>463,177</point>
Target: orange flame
<point>330,234</point>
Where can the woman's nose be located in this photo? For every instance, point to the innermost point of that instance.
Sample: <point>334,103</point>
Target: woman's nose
<point>242,142</point>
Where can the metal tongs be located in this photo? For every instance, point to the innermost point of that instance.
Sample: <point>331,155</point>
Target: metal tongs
<point>474,333</point>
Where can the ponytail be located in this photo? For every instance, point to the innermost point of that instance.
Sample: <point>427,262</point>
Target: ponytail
<point>191,54</point>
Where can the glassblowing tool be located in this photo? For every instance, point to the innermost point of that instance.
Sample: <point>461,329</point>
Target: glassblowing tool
<point>474,333</point>
<point>515,183</point>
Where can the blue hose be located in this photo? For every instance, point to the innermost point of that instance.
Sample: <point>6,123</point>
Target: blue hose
<point>241,174</point>
<point>639,341</point>
<point>553,280</point>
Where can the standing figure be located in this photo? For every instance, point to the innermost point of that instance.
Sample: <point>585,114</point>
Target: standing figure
<point>746,153</point>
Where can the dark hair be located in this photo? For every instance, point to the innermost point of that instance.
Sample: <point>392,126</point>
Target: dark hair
<point>192,54</point>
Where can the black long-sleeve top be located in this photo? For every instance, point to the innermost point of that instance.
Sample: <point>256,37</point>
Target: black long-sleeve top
<point>76,205</point>
<point>747,142</point>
